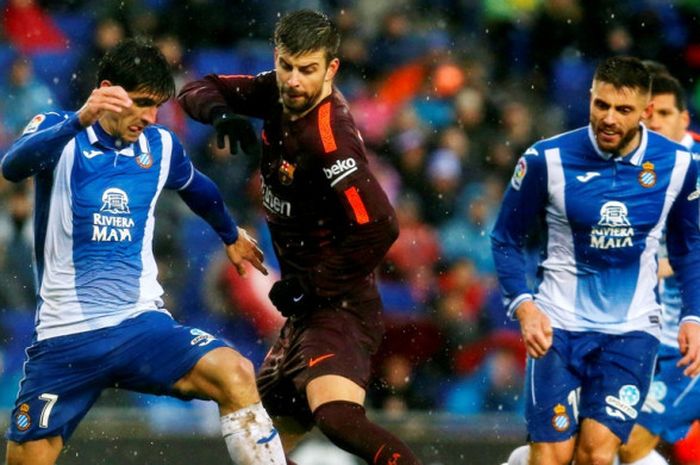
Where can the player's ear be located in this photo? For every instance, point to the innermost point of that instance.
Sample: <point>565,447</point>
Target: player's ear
<point>105,83</point>
<point>332,69</point>
<point>648,110</point>
<point>685,119</point>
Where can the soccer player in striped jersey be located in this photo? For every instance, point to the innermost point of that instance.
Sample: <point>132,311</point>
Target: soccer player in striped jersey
<point>100,320</point>
<point>331,224</point>
<point>673,402</point>
<point>592,327</point>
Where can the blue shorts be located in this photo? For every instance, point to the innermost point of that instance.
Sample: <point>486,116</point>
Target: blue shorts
<point>588,375</point>
<point>673,402</point>
<point>64,376</point>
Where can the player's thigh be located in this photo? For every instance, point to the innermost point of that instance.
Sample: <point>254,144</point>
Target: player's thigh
<point>639,444</point>
<point>597,444</point>
<point>220,374</point>
<point>174,353</point>
<point>618,376</point>
<point>330,388</point>
<point>43,451</point>
<point>63,377</point>
<point>551,394</point>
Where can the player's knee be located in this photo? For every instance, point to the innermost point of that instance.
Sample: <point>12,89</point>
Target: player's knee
<point>238,372</point>
<point>594,455</point>
<point>32,453</point>
<point>627,453</point>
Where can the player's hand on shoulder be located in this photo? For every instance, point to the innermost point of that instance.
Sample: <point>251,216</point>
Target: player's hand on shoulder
<point>237,130</point>
<point>101,99</point>
<point>535,327</point>
<point>245,249</point>
<point>689,344</point>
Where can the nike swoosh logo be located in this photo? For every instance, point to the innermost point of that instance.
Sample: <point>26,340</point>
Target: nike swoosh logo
<point>269,438</point>
<point>91,153</point>
<point>588,176</point>
<point>314,361</point>
<point>297,299</point>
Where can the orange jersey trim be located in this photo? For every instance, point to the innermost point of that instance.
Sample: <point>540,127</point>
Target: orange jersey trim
<point>232,76</point>
<point>324,127</point>
<point>358,206</point>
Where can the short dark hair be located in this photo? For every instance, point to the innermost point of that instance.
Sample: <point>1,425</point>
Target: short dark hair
<point>624,71</point>
<point>305,31</point>
<point>137,64</point>
<point>667,84</point>
<point>654,67</point>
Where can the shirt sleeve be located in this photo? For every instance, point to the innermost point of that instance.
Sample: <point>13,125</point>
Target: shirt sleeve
<point>181,170</point>
<point>369,222</point>
<point>521,209</point>
<point>255,96</point>
<point>683,244</point>
<point>40,146</point>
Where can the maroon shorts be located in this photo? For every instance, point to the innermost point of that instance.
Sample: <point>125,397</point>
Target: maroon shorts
<point>328,341</point>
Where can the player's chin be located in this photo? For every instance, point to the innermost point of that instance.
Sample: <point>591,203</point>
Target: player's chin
<point>296,103</point>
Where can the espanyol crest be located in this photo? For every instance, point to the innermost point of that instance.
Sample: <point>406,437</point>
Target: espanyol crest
<point>647,177</point>
<point>144,160</point>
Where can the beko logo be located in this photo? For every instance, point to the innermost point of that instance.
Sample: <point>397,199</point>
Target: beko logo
<point>340,168</point>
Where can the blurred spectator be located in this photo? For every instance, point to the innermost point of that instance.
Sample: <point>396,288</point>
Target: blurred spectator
<point>444,178</point>
<point>416,251</point>
<point>108,33</point>
<point>30,29</point>
<point>171,114</point>
<point>466,235</point>
<point>16,251</point>
<point>24,96</point>
<point>407,148</point>
<point>495,386</point>
<point>397,42</point>
<point>243,298</point>
<point>232,174</point>
<point>557,26</point>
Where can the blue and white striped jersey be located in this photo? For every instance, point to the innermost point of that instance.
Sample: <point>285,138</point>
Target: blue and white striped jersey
<point>94,219</point>
<point>669,289</point>
<point>604,217</point>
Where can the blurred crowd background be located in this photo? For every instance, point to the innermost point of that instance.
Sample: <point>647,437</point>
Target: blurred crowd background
<point>447,94</point>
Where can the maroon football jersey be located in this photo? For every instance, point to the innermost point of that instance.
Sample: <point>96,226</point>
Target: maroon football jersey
<point>330,220</point>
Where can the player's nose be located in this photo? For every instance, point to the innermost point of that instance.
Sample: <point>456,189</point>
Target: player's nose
<point>293,80</point>
<point>150,115</point>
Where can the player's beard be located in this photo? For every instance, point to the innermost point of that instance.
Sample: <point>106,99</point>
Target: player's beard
<point>624,140</point>
<point>297,106</point>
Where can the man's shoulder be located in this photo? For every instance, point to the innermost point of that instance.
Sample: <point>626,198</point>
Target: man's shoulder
<point>48,118</point>
<point>332,125</point>
<point>562,141</point>
<point>660,143</point>
<point>158,132</point>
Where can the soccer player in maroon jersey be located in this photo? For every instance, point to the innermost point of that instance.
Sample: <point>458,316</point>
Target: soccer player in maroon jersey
<point>331,224</point>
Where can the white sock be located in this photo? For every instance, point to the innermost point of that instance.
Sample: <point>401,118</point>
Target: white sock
<point>519,456</point>
<point>250,437</point>
<point>652,458</point>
